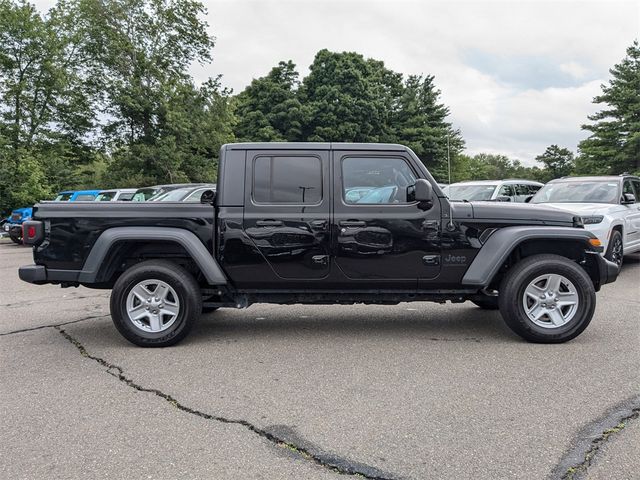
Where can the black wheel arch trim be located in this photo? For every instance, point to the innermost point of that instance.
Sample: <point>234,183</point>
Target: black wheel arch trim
<point>194,247</point>
<point>502,242</point>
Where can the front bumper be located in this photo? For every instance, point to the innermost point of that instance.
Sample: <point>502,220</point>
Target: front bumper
<point>608,270</point>
<point>9,226</point>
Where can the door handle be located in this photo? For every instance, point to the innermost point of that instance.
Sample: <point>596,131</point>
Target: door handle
<point>353,223</point>
<point>431,260</point>
<point>320,260</point>
<point>430,224</point>
<point>318,224</point>
<point>269,223</point>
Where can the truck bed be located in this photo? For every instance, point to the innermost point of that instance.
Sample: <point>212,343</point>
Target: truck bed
<point>71,229</point>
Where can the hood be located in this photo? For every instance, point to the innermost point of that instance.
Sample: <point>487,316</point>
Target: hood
<point>580,208</point>
<point>520,213</point>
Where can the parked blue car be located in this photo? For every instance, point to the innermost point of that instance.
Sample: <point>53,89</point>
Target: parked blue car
<point>77,196</point>
<point>13,224</point>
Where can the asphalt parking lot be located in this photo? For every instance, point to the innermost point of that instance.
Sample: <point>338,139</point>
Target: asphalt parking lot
<point>413,391</point>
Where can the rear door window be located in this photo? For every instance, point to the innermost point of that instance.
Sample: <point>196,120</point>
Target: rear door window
<point>287,180</point>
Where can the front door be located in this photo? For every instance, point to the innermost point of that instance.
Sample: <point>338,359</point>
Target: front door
<point>286,215</point>
<point>380,236</point>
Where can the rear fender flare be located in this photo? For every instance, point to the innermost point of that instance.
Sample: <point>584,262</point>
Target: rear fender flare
<point>194,247</point>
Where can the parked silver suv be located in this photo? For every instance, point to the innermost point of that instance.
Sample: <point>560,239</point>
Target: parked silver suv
<point>493,190</point>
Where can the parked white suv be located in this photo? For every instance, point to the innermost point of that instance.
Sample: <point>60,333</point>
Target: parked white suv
<point>493,190</point>
<point>608,206</point>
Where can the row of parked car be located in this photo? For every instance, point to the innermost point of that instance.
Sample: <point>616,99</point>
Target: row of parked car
<point>177,192</point>
<point>606,205</point>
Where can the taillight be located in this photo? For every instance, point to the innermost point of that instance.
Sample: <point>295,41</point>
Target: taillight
<point>32,232</point>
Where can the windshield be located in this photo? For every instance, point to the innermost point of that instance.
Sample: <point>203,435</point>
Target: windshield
<point>125,196</point>
<point>105,196</point>
<point>176,195</point>
<point>63,197</point>
<point>85,197</point>
<point>143,194</point>
<point>593,191</point>
<point>471,192</point>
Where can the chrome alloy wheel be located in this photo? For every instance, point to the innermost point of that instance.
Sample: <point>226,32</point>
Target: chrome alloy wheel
<point>152,306</point>
<point>550,301</point>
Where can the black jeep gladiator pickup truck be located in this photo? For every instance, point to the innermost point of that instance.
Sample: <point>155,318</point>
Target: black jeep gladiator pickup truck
<point>320,223</point>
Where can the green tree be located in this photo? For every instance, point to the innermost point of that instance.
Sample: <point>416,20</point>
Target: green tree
<point>347,98</point>
<point>193,123</point>
<point>614,144</point>
<point>157,124</point>
<point>420,122</point>
<point>42,104</point>
<point>268,109</point>
<point>558,162</point>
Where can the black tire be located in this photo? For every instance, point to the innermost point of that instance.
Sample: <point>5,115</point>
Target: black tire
<point>519,277</point>
<point>15,234</point>
<point>615,250</point>
<point>487,302</point>
<point>186,289</point>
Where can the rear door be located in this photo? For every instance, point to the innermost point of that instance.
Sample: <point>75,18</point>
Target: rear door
<point>380,238</point>
<point>286,214</point>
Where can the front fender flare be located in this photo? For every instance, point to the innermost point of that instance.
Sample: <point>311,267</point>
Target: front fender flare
<point>499,246</point>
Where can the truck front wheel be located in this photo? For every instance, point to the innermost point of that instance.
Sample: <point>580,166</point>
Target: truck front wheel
<point>547,299</point>
<point>155,303</point>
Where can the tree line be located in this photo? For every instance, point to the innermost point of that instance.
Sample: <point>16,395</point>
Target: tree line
<point>99,94</point>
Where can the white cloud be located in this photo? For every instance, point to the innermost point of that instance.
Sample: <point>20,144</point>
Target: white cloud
<point>574,69</point>
<point>560,51</point>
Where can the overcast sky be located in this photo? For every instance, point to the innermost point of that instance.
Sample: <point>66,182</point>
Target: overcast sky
<point>517,75</point>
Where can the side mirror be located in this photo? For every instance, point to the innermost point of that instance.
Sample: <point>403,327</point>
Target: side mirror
<point>207,197</point>
<point>503,198</point>
<point>528,199</point>
<point>628,198</point>
<point>423,191</point>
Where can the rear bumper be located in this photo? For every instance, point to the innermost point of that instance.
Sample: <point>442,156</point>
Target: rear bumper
<point>39,274</point>
<point>33,274</point>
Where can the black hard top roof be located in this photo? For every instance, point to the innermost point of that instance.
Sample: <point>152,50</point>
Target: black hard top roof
<point>314,146</point>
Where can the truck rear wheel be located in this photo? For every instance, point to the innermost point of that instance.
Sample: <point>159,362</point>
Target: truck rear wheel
<point>155,303</point>
<point>547,299</point>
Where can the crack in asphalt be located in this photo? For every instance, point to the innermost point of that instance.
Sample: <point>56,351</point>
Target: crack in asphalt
<point>53,325</point>
<point>592,437</point>
<point>333,463</point>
